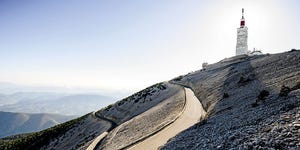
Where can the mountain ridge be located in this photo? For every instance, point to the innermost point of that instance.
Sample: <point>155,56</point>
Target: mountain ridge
<point>37,102</point>
<point>252,102</point>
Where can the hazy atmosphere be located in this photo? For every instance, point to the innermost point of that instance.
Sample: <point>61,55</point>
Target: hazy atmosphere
<point>117,45</point>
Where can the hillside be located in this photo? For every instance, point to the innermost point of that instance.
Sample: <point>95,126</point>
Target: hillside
<point>252,103</point>
<point>16,123</point>
<point>246,102</point>
<point>81,132</point>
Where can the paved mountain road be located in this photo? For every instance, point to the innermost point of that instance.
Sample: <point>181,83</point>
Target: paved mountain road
<point>191,115</point>
<point>95,142</point>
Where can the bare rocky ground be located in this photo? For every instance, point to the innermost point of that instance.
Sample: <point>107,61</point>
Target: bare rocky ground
<point>252,103</point>
<point>146,123</point>
<point>139,102</point>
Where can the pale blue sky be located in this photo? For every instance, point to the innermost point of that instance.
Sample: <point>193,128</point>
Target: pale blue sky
<point>135,43</point>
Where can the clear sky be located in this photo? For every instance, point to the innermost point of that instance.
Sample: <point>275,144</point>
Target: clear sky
<point>134,43</point>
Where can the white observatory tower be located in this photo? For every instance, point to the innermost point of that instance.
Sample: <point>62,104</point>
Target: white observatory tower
<point>242,37</point>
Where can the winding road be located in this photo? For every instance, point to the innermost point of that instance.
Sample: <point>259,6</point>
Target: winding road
<point>95,142</point>
<point>191,114</point>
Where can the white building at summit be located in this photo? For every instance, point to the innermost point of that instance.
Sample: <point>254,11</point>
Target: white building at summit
<point>242,37</point>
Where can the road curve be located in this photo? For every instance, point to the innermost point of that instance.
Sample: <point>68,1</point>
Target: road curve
<point>93,145</point>
<point>191,115</point>
<point>96,141</point>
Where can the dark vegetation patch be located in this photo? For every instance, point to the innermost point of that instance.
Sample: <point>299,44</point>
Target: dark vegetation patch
<point>244,79</point>
<point>254,104</point>
<point>225,95</point>
<point>285,90</point>
<point>178,78</point>
<point>108,107</point>
<point>36,140</point>
<point>261,97</point>
<point>121,103</point>
<point>296,87</point>
<point>136,97</point>
<point>293,50</point>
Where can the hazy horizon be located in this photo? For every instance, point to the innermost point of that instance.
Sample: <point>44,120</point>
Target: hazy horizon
<point>7,89</point>
<point>134,44</point>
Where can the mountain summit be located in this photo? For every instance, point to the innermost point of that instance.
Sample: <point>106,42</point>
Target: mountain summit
<point>242,102</point>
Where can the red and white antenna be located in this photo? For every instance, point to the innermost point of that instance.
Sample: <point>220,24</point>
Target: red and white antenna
<point>243,19</point>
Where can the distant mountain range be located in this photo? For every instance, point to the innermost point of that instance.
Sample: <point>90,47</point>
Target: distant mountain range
<point>39,102</point>
<point>27,111</point>
<point>8,88</point>
<point>16,123</point>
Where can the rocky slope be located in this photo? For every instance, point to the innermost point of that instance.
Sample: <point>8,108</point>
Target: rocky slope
<point>83,133</point>
<point>252,103</point>
<point>145,124</point>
